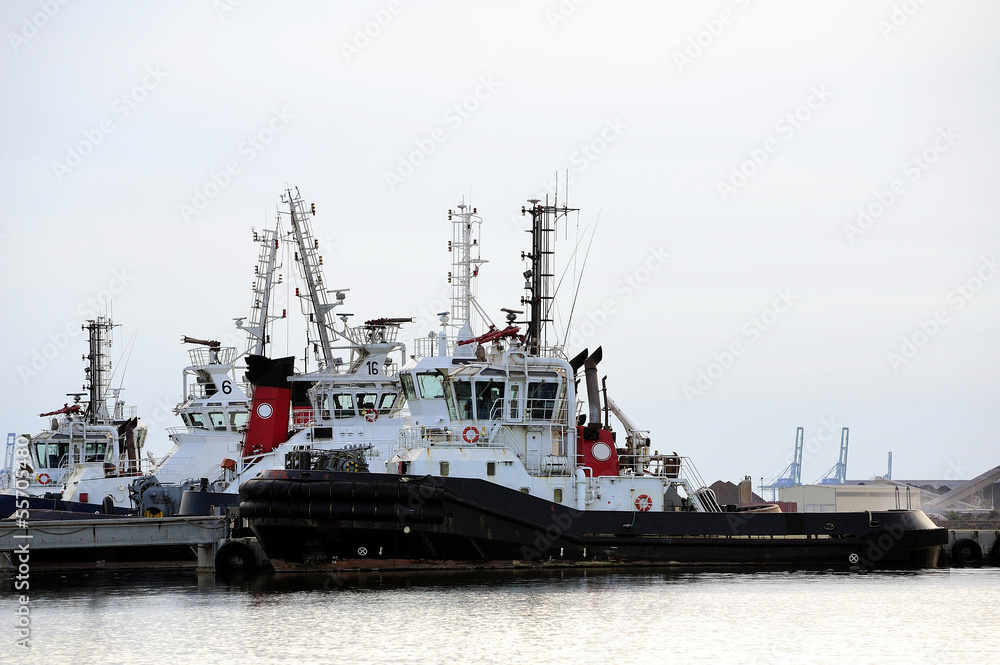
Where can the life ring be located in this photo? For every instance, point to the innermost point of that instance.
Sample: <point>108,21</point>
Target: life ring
<point>643,503</point>
<point>371,415</point>
<point>474,434</point>
<point>43,479</point>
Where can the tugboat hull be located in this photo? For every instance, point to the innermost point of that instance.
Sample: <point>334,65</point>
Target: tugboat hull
<point>362,521</point>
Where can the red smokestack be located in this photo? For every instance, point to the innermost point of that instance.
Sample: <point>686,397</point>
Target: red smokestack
<point>272,397</point>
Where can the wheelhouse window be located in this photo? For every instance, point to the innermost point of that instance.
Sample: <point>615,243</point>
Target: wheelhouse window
<point>463,400</point>
<point>386,402</point>
<point>95,452</point>
<point>489,398</point>
<point>48,455</point>
<point>343,405</point>
<point>367,401</point>
<point>218,420</point>
<point>408,390</point>
<point>197,420</point>
<point>542,400</point>
<point>430,385</point>
<point>513,390</point>
<point>238,420</point>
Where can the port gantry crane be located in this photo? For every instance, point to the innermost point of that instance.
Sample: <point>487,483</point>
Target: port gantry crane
<point>838,474</point>
<point>792,475</point>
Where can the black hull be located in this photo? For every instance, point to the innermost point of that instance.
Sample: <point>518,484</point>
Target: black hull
<point>9,502</point>
<point>362,521</point>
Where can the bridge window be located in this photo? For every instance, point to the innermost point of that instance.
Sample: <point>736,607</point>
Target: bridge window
<point>48,455</point>
<point>489,396</point>
<point>218,420</point>
<point>238,420</point>
<point>408,386</point>
<point>542,400</point>
<point>197,420</point>
<point>367,401</point>
<point>386,402</point>
<point>95,451</point>
<point>430,386</point>
<point>343,405</point>
<point>463,399</point>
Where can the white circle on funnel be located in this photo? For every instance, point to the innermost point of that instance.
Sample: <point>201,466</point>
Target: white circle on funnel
<point>264,411</point>
<point>601,451</point>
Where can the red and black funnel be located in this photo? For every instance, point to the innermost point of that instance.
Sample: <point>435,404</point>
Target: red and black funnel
<point>272,398</point>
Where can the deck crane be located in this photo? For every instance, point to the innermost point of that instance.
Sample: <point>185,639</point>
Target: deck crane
<point>838,474</point>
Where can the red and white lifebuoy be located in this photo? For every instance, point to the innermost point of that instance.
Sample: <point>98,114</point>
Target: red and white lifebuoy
<point>471,434</point>
<point>43,479</point>
<point>371,415</point>
<point>643,503</point>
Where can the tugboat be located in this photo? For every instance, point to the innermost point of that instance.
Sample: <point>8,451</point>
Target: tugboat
<point>99,437</point>
<point>350,407</point>
<point>496,468</point>
<point>215,410</point>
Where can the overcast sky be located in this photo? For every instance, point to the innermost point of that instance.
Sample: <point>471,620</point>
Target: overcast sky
<point>797,201</point>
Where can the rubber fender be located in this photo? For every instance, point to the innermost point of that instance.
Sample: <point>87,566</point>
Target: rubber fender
<point>966,552</point>
<point>235,558</point>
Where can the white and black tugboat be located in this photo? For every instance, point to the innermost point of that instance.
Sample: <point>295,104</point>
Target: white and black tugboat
<point>97,436</point>
<point>215,408</point>
<point>495,469</point>
<point>349,409</point>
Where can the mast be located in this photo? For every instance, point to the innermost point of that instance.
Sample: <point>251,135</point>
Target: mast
<point>540,275</point>
<point>465,263</point>
<point>257,337</point>
<point>315,303</point>
<point>98,368</point>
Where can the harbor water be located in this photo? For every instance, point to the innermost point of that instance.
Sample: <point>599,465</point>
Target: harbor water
<point>929,617</point>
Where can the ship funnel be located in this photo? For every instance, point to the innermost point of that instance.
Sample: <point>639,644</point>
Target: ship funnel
<point>593,393</point>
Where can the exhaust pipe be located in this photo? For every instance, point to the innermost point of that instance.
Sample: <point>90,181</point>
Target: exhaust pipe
<point>576,363</point>
<point>593,391</point>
